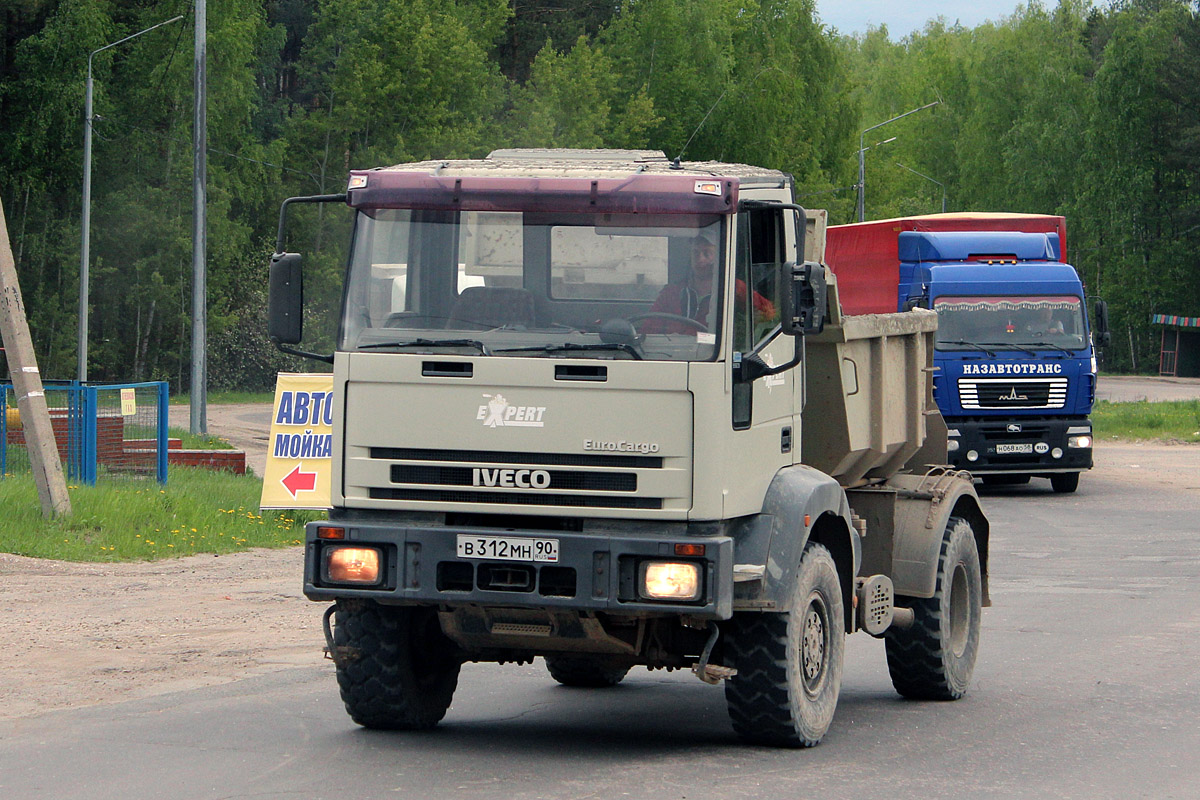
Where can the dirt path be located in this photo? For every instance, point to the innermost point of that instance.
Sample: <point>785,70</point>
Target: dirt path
<point>246,426</point>
<point>82,634</point>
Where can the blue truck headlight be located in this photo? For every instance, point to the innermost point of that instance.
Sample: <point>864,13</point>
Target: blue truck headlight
<point>1079,441</point>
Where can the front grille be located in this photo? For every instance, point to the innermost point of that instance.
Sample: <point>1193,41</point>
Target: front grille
<point>543,480</point>
<point>1027,432</point>
<point>974,393</point>
<point>522,498</point>
<point>501,457</point>
<point>563,480</point>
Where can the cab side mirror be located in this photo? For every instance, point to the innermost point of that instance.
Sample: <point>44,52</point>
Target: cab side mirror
<point>803,298</point>
<point>285,301</point>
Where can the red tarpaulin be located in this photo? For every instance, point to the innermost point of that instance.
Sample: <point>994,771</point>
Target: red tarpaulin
<point>865,259</point>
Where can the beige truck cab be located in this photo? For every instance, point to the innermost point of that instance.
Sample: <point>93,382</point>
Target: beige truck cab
<point>602,408</point>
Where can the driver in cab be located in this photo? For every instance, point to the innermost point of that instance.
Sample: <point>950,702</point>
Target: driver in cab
<point>691,297</point>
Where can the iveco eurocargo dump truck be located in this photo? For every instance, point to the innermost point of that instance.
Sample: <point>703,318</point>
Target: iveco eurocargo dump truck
<point>602,408</point>
<point>1015,352</point>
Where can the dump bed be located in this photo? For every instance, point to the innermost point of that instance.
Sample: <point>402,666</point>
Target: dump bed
<point>864,255</point>
<point>869,411</point>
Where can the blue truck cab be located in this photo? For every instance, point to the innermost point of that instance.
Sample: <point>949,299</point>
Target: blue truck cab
<point>1016,365</point>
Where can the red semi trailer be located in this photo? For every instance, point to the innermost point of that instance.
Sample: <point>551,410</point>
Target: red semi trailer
<point>865,259</point>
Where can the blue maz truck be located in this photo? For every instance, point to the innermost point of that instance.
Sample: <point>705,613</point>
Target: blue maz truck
<point>1015,354</point>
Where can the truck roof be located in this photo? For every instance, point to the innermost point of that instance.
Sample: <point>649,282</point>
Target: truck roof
<point>949,246</point>
<point>568,163</point>
<point>977,278</point>
<point>562,181</point>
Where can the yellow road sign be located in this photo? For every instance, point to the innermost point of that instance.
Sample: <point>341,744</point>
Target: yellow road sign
<point>299,452</point>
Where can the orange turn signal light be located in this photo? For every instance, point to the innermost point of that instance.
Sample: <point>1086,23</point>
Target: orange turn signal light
<point>327,532</point>
<point>689,550</point>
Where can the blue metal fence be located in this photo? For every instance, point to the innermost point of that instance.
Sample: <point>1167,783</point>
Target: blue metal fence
<point>108,430</point>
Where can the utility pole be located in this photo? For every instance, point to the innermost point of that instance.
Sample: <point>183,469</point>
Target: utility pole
<point>199,393</point>
<point>44,460</point>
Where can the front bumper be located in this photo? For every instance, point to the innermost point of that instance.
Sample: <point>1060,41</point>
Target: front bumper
<point>1042,437</point>
<point>594,571</point>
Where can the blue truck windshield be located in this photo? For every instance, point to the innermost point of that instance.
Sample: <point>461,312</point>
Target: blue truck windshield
<point>535,284</point>
<point>965,323</point>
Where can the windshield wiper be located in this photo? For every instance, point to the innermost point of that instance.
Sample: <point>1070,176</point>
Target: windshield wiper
<point>1022,347</point>
<point>557,348</point>
<point>1066,350</point>
<point>976,345</point>
<point>430,343</point>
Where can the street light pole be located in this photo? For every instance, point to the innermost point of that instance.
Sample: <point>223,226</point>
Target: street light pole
<point>198,405</point>
<point>931,180</point>
<point>86,221</point>
<point>862,166</point>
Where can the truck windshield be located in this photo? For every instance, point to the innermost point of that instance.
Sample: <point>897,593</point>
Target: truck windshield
<point>536,285</point>
<point>1010,322</point>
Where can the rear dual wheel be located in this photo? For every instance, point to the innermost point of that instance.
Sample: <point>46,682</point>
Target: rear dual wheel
<point>935,658</point>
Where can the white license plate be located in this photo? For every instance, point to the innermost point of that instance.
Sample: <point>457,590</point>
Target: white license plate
<point>1014,448</point>
<point>507,548</point>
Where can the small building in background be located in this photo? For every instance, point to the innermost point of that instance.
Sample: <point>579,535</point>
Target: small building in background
<point>1179,356</point>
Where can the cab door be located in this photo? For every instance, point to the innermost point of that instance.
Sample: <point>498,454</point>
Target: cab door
<point>762,410</point>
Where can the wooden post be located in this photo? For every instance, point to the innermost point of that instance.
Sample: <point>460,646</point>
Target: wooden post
<point>31,400</point>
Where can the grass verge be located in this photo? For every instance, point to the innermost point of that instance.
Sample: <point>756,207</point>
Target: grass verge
<point>198,441</point>
<point>198,511</point>
<point>1173,420</point>
<point>226,398</point>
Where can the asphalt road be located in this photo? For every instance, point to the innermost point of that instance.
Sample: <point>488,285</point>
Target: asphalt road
<point>1130,388</point>
<point>1086,687</point>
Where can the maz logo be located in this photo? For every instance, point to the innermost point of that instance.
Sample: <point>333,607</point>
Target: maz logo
<point>1012,395</point>
<point>511,478</point>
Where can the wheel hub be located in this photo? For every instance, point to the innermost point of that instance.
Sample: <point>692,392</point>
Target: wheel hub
<point>812,646</point>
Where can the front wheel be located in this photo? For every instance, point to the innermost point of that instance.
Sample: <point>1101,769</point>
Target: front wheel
<point>935,658</point>
<point>1065,482</point>
<point>396,669</point>
<point>789,666</point>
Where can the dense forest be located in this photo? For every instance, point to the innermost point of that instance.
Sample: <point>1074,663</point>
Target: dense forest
<point>1088,111</point>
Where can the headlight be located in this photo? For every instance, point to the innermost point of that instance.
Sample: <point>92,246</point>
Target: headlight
<point>358,565</point>
<point>952,445</point>
<point>1079,441</point>
<point>670,580</point>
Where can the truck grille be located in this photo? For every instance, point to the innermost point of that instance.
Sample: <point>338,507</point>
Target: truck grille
<point>976,393</point>
<point>560,480</point>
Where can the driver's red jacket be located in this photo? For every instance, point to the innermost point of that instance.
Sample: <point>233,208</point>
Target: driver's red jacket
<point>683,300</point>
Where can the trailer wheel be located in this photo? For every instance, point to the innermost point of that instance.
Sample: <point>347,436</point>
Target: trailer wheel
<point>585,671</point>
<point>1065,482</point>
<point>934,659</point>
<point>396,669</point>
<point>789,666</point>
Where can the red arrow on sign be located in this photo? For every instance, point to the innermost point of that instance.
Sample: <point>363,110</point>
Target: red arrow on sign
<point>297,481</point>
